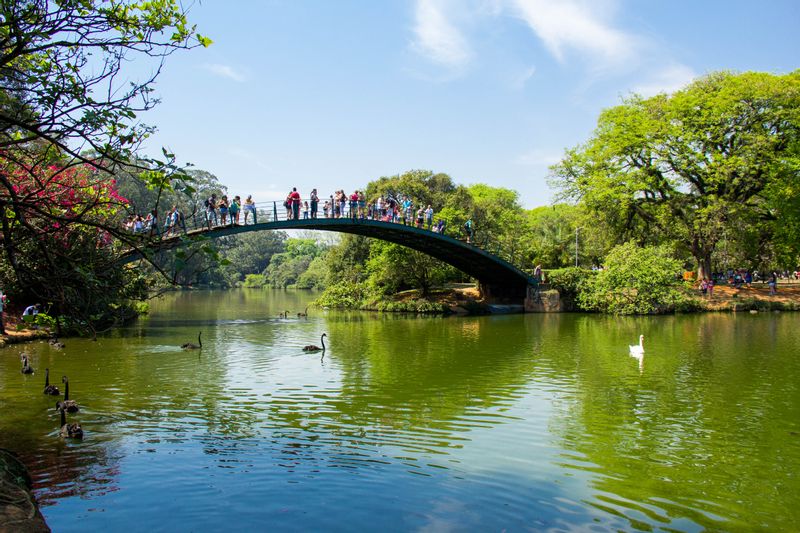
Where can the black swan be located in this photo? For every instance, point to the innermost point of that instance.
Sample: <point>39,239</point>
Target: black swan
<point>26,369</point>
<point>70,406</point>
<point>70,431</point>
<point>304,313</point>
<point>193,346</point>
<point>52,390</point>
<point>314,348</point>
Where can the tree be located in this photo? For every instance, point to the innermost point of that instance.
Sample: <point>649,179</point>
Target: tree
<point>61,72</point>
<point>67,106</point>
<point>635,280</point>
<point>683,167</point>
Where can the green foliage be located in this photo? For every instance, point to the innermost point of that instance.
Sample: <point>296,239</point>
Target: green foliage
<point>286,268</point>
<point>254,281</point>
<point>568,281</point>
<point>635,281</point>
<point>343,294</point>
<point>315,275</point>
<point>685,168</point>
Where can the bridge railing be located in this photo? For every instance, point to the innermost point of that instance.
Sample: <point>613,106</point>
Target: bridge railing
<point>277,211</point>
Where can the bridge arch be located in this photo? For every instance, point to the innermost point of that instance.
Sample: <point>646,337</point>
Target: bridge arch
<point>497,276</point>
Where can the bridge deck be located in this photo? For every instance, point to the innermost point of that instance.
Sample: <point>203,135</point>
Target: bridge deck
<point>468,258</point>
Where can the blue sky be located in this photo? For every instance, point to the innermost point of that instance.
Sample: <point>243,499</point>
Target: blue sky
<point>334,94</point>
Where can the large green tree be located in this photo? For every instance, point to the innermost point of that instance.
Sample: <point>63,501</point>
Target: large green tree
<point>69,104</point>
<point>687,167</point>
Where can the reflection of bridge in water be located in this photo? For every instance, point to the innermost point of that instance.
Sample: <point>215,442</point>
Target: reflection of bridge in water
<point>500,280</point>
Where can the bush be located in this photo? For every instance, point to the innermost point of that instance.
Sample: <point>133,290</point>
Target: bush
<point>342,295</point>
<point>636,281</point>
<point>255,281</point>
<point>567,281</point>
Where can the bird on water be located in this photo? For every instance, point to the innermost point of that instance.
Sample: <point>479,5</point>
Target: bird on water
<point>193,346</point>
<point>26,368</point>
<point>70,406</point>
<point>637,349</point>
<point>52,390</point>
<point>315,348</point>
<point>70,431</point>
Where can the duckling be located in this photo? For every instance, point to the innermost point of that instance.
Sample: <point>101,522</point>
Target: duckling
<point>70,431</point>
<point>52,390</point>
<point>71,406</point>
<point>26,368</point>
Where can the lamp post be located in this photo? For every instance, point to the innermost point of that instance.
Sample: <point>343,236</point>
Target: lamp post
<point>576,246</point>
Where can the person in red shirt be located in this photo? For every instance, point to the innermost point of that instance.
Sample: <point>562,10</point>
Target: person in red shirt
<point>295,200</point>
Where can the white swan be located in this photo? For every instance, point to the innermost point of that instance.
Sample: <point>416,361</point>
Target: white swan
<point>637,350</point>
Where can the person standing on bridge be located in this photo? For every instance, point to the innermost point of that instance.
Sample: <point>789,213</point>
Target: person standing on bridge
<point>234,209</point>
<point>314,203</point>
<point>295,200</point>
<point>468,230</point>
<point>211,210</point>
<point>250,207</point>
<point>223,210</point>
<point>429,217</point>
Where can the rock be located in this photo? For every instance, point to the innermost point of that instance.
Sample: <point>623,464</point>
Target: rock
<point>18,510</point>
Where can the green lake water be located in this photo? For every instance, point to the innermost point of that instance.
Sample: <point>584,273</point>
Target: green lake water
<point>524,422</point>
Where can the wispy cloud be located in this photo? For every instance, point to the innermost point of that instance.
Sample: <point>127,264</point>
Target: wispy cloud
<point>523,78</point>
<point>576,25</point>
<point>225,71</point>
<point>540,157</point>
<point>666,80</point>
<point>436,37</point>
<point>251,158</point>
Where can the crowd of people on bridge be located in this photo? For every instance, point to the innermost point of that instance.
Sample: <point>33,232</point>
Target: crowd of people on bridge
<point>223,210</point>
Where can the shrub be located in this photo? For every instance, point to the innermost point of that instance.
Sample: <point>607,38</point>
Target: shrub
<point>255,281</point>
<point>636,281</point>
<point>567,281</point>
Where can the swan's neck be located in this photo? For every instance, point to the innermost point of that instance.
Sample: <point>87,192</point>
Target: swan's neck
<point>641,342</point>
<point>47,377</point>
<point>63,418</point>
<point>322,340</point>
<point>66,390</point>
<point>200,342</point>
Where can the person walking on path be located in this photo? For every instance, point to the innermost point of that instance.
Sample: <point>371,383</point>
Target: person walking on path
<point>468,230</point>
<point>295,200</point>
<point>772,283</point>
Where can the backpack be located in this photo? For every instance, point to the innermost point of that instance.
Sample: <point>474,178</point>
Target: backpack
<point>207,203</point>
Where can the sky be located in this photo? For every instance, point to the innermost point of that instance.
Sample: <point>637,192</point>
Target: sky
<point>334,94</point>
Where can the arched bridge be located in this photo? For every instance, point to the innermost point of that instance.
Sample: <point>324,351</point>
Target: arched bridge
<point>500,279</point>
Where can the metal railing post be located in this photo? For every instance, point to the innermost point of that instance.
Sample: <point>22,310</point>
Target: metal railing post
<point>274,211</point>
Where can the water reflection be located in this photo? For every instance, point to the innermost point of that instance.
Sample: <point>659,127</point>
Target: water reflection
<point>541,421</point>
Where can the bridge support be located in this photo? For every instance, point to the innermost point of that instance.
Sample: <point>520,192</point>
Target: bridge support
<point>493,293</point>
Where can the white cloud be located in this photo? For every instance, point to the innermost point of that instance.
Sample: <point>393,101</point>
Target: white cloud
<point>523,77</point>
<point>251,158</point>
<point>667,80</point>
<point>436,37</point>
<point>574,24</point>
<point>540,157</point>
<point>225,71</point>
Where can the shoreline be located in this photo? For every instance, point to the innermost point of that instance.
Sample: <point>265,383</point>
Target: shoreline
<point>465,300</point>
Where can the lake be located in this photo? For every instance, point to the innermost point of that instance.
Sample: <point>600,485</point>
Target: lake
<point>516,422</point>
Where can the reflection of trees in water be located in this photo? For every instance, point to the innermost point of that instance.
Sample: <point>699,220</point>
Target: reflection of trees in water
<point>413,384</point>
<point>692,435</point>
